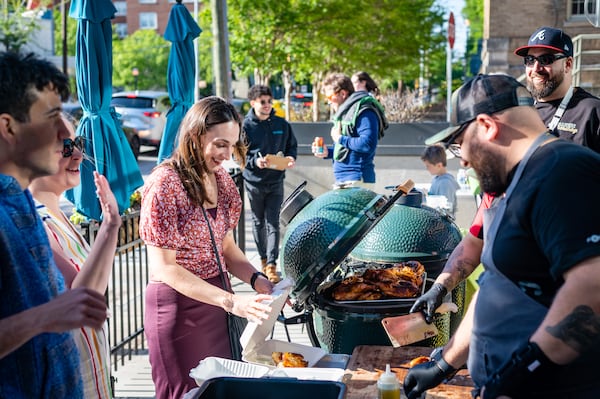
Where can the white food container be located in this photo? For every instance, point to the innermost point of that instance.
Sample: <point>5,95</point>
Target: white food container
<point>258,349</point>
<point>213,367</point>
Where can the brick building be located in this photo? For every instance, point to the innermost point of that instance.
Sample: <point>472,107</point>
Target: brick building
<point>145,14</point>
<point>509,23</point>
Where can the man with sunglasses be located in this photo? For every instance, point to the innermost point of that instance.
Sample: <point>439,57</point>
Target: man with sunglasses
<point>38,355</point>
<point>569,112</point>
<point>358,124</point>
<point>535,325</point>
<point>266,134</point>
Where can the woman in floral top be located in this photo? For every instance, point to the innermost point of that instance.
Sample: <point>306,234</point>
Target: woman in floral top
<point>186,304</point>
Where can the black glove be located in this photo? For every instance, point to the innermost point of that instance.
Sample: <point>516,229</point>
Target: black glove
<point>428,375</point>
<point>527,367</point>
<point>430,301</point>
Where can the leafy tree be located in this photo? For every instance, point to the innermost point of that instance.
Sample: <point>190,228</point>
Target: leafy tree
<point>145,50</point>
<point>16,28</point>
<point>473,12</point>
<point>71,32</point>
<point>305,39</point>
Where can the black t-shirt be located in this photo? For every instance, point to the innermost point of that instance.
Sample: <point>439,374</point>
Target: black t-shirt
<point>552,220</point>
<point>581,121</point>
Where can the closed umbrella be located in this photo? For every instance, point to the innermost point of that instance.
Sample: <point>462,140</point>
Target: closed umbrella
<point>106,146</point>
<point>181,32</point>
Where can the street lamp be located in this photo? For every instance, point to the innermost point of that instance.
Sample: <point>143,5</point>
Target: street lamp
<point>135,72</point>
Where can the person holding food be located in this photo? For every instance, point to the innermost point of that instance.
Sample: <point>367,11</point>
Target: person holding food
<point>358,124</point>
<point>267,135</point>
<point>190,205</point>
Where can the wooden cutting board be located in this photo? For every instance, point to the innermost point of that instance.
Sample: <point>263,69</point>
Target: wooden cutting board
<point>368,362</point>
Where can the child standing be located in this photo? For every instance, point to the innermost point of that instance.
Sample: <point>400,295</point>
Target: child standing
<point>443,183</point>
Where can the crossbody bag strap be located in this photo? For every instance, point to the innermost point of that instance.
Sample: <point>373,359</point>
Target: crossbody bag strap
<point>226,286</point>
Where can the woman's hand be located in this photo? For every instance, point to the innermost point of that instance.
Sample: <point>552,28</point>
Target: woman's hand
<point>252,307</point>
<point>108,202</point>
<point>262,285</point>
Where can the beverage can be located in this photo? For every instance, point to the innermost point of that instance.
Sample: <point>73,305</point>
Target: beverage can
<point>319,145</point>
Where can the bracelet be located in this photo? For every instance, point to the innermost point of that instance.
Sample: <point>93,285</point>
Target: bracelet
<point>254,277</point>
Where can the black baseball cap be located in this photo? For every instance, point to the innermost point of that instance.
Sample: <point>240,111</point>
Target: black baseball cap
<point>483,94</point>
<point>550,38</point>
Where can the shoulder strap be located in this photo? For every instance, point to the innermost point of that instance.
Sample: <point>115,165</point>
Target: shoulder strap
<point>226,286</point>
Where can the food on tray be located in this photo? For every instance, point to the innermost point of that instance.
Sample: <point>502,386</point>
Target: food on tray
<point>418,360</point>
<point>402,280</point>
<point>289,359</point>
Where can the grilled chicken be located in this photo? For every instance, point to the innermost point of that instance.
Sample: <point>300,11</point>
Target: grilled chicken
<point>402,280</point>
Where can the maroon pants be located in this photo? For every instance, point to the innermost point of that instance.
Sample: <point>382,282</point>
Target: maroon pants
<point>180,333</point>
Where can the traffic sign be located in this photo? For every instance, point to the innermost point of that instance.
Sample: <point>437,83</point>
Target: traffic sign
<point>451,30</point>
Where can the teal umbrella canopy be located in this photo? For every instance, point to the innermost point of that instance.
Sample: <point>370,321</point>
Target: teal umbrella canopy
<point>181,70</point>
<point>106,148</point>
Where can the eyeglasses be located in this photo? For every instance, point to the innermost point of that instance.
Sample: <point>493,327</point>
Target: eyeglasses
<point>543,60</point>
<point>330,97</point>
<point>453,147</point>
<point>70,144</point>
<point>265,102</point>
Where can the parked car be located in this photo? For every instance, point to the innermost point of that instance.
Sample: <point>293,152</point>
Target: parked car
<point>75,111</point>
<point>144,110</point>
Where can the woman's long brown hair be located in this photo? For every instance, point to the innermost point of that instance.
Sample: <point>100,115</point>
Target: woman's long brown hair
<point>188,158</point>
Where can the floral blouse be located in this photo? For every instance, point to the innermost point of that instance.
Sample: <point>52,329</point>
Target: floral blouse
<point>169,220</point>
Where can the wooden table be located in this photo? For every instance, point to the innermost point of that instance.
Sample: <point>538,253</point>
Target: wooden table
<point>368,362</point>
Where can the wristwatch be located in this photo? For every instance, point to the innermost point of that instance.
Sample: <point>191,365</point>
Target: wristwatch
<point>254,277</point>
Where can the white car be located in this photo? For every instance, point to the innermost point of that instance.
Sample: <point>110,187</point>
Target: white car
<point>145,111</point>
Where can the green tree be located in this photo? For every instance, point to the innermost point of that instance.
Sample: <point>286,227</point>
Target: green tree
<point>473,12</point>
<point>148,52</point>
<point>16,28</point>
<point>305,39</point>
<point>71,32</point>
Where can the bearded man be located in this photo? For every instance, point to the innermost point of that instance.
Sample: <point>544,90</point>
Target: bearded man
<point>569,112</point>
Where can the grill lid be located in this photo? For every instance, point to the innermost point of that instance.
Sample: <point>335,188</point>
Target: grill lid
<point>409,233</point>
<point>326,230</point>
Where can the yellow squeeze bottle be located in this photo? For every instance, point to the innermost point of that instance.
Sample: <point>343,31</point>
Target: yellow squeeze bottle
<point>388,386</point>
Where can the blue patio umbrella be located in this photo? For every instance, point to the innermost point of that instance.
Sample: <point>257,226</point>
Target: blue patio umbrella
<point>106,147</point>
<point>181,32</point>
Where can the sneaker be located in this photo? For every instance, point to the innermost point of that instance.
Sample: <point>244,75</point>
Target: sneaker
<point>270,271</point>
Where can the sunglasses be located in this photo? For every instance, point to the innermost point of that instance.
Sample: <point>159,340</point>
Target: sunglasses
<point>70,144</point>
<point>330,97</point>
<point>265,102</point>
<point>543,60</point>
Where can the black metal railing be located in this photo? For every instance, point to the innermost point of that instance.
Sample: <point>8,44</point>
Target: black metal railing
<point>125,294</point>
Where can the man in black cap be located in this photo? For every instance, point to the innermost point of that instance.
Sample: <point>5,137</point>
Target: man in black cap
<point>535,323</point>
<point>569,112</point>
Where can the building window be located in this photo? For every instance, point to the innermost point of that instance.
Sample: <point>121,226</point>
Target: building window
<point>148,20</point>
<point>148,1</point>
<point>577,7</point>
<point>121,30</point>
<point>121,7</point>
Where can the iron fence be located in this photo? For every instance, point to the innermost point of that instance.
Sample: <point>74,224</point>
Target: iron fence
<point>125,294</point>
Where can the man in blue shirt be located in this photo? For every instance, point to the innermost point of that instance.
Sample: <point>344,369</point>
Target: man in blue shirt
<point>358,124</point>
<point>38,356</point>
